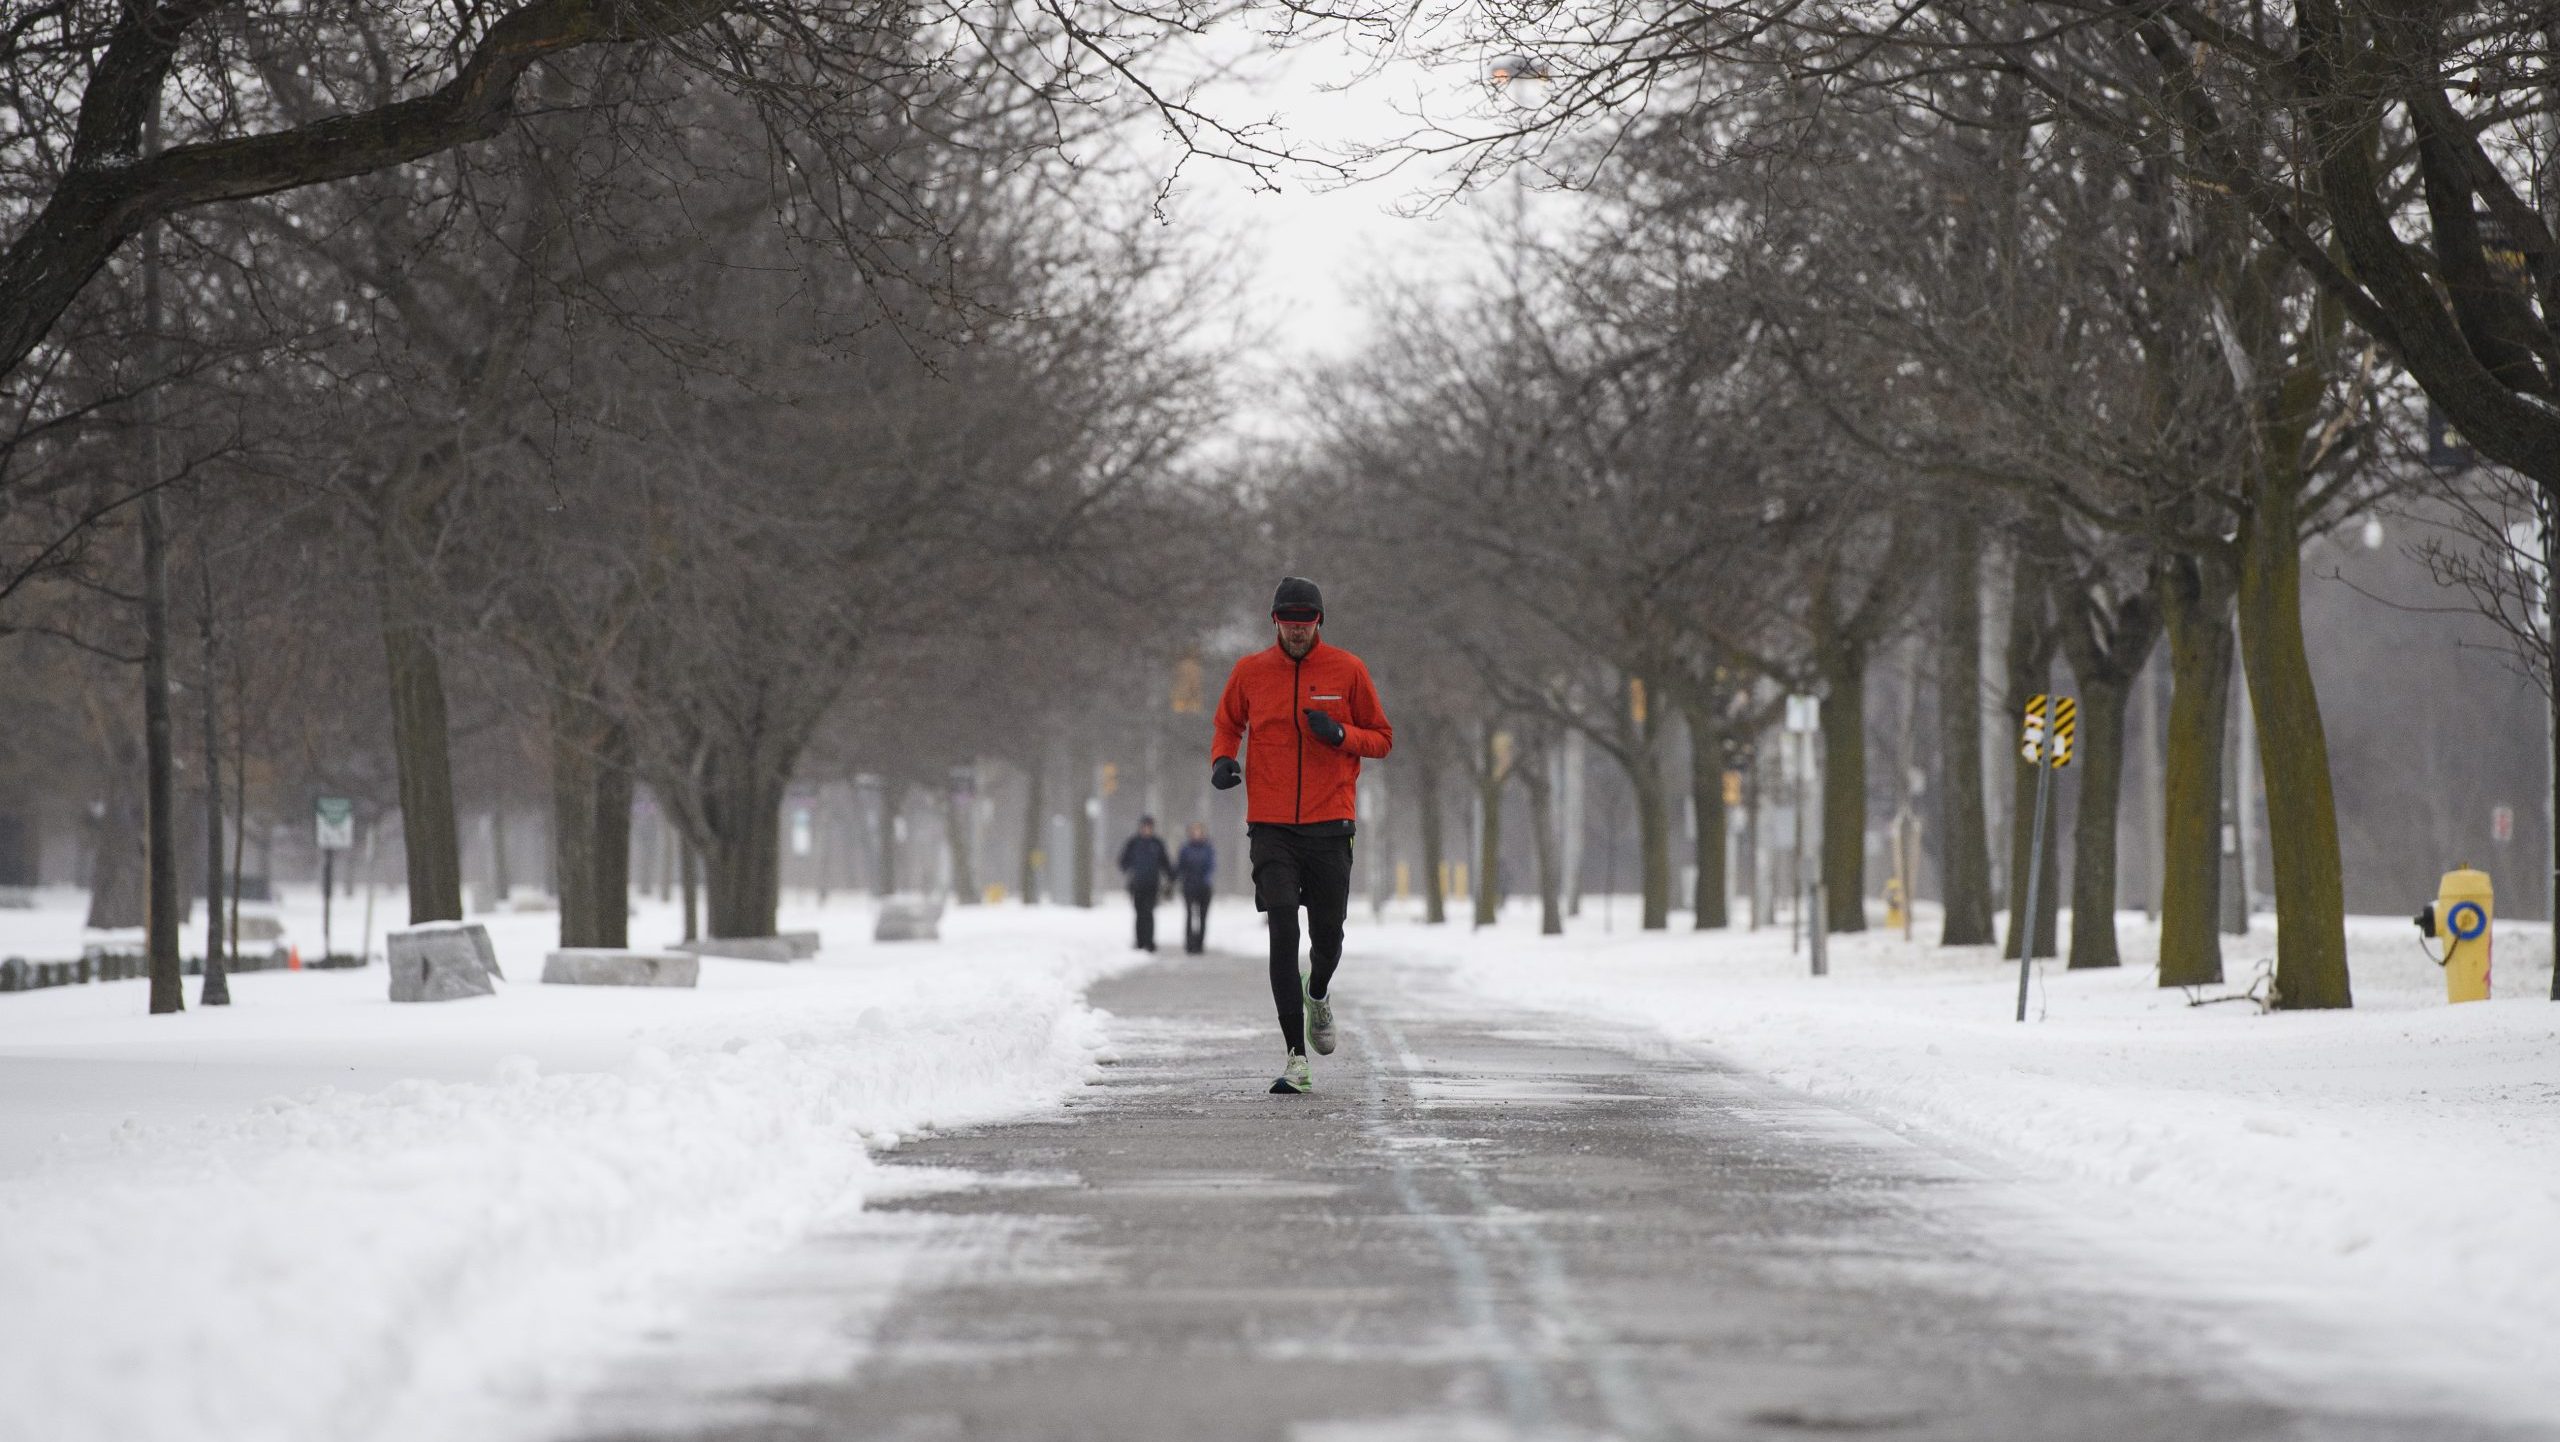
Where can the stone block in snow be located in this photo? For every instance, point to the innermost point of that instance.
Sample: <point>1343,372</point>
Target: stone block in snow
<point>742,948</point>
<point>607,966</point>
<point>441,961</point>
<point>908,918</point>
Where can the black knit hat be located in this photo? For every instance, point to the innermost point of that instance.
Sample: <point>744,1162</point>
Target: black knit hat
<point>1297,600</point>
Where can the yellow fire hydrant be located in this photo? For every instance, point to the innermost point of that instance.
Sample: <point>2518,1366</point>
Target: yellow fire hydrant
<point>2460,918</point>
<point>1893,903</point>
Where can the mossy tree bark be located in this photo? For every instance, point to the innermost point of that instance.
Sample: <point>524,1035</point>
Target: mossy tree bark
<point>1964,836</point>
<point>2293,751</point>
<point>2196,592</point>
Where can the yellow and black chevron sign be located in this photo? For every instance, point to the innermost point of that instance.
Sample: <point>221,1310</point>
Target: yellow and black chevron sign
<point>2031,737</point>
<point>2066,716</point>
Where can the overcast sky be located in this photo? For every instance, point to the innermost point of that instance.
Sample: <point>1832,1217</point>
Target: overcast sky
<point>1303,256</point>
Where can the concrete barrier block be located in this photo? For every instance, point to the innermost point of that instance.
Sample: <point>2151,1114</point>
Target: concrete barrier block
<point>254,927</point>
<point>741,948</point>
<point>441,962</point>
<point>908,918</point>
<point>607,966</point>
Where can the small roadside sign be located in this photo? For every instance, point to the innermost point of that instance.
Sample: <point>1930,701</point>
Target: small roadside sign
<point>2502,823</point>
<point>1804,714</point>
<point>334,822</point>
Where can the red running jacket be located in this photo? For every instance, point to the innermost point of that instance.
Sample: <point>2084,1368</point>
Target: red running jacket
<point>1290,776</point>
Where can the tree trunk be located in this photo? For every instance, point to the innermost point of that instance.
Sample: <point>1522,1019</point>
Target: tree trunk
<point>743,814</point>
<point>690,863</point>
<point>2293,753</point>
<point>2100,755</point>
<point>2108,640</point>
<point>2196,595</point>
<point>419,740</point>
<point>217,981</point>
<point>956,810</point>
<point>502,877</point>
<point>2030,663</point>
<point>1706,800</point>
<point>1489,783</point>
<point>1653,831</point>
<point>1538,782</point>
<point>1844,786</point>
<point>1965,844</point>
<point>591,788</point>
<point>884,882</point>
<point>1086,820</point>
<point>1435,901</point>
<point>118,896</point>
<point>1034,822</point>
<point>161,910</point>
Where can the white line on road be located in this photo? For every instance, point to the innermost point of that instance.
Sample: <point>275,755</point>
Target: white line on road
<point>1542,1282</point>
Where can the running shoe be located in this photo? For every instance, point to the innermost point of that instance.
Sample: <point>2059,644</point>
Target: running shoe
<point>1319,1020</point>
<point>1296,1079</point>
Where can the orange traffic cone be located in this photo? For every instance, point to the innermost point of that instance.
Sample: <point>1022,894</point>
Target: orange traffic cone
<point>293,958</point>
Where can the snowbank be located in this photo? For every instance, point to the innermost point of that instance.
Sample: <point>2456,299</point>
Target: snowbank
<point>445,1218</point>
<point>2408,1146</point>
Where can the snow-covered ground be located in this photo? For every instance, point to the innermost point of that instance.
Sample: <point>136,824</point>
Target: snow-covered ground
<point>317,1217</point>
<point>2401,1160</point>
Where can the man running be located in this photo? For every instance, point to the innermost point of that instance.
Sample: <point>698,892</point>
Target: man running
<point>1312,714</point>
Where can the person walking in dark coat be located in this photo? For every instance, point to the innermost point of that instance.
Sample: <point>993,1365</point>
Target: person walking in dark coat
<point>1197,869</point>
<point>1146,867</point>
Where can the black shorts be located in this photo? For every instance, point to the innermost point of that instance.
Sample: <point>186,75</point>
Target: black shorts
<point>1293,868</point>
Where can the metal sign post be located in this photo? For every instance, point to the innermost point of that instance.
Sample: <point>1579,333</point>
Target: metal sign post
<point>333,824</point>
<point>2032,747</point>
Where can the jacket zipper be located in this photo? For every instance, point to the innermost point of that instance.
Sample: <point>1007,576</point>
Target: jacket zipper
<point>1299,719</point>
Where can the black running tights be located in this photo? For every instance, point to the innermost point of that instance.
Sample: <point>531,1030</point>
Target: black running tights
<point>1323,954</point>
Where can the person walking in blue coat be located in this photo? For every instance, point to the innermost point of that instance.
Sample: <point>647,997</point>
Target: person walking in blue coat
<point>1197,870</point>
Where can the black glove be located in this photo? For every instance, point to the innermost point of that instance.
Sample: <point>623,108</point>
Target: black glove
<point>1328,730</point>
<point>1224,773</point>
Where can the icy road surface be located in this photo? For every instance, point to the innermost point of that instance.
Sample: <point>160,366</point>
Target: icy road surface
<point>1482,1227</point>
